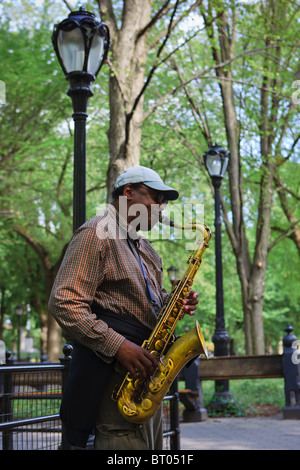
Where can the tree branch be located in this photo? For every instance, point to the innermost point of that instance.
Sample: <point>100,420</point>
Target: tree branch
<point>293,230</point>
<point>164,98</point>
<point>108,16</point>
<point>152,71</point>
<point>68,5</point>
<point>156,17</point>
<point>38,248</point>
<point>164,32</point>
<point>200,162</point>
<point>195,110</point>
<point>284,234</point>
<point>283,160</point>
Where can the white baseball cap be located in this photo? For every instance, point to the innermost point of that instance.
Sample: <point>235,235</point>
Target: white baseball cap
<point>141,174</point>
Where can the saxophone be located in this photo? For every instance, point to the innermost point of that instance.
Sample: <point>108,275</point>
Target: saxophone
<point>139,399</point>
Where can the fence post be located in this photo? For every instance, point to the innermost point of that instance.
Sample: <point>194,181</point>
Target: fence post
<point>65,361</point>
<point>174,416</point>
<point>7,437</point>
<point>291,372</point>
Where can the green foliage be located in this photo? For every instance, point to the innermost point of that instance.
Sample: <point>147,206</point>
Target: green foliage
<point>250,396</point>
<point>180,135</point>
<point>37,145</point>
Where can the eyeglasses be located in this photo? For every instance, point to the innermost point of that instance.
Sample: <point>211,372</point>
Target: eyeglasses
<point>158,197</point>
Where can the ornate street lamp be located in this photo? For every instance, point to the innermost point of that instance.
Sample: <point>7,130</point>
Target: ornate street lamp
<point>81,45</point>
<point>216,160</point>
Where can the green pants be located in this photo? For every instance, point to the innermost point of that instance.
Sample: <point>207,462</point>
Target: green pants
<point>113,432</point>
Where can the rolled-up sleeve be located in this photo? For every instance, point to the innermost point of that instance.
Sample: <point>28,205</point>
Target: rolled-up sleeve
<point>81,273</point>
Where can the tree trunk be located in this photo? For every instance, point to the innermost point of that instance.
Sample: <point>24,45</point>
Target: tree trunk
<point>54,332</point>
<point>2,311</point>
<point>54,339</point>
<point>294,230</point>
<point>129,52</point>
<point>251,272</point>
<point>258,272</point>
<point>50,342</point>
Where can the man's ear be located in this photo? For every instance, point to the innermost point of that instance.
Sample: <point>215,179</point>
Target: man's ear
<point>128,191</point>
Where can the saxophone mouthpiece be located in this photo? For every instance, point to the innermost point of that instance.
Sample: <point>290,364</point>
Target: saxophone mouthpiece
<point>204,229</point>
<point>165,220</point>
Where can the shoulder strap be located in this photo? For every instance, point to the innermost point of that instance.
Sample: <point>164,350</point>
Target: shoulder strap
<point>142,267</point>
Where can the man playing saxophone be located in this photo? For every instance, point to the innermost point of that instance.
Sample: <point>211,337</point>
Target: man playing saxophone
<point>107,296</point>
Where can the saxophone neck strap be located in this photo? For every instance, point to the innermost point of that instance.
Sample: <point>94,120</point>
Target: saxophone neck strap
<point>143,270</point>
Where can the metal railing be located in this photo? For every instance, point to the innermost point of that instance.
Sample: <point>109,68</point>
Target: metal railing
<point>30,397</point>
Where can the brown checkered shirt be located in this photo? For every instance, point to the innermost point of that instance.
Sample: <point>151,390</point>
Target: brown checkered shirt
<point>100,268</point>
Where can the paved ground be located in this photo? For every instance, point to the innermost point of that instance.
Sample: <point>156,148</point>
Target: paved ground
<point>241,434</point>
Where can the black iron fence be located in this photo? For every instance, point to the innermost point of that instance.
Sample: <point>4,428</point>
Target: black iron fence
<point>30,396</point>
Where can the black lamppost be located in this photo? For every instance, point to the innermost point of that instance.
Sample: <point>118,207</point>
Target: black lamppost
<point>81,45</point>
<point>216,160</point>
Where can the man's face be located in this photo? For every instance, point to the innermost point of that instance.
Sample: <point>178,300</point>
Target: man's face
<point>144,206</point>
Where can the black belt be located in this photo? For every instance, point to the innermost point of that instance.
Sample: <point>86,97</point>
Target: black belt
<point>130,328</point>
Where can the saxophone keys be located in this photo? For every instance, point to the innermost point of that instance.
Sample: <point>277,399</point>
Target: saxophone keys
<point>159,345</point>
<point>130,409</point>
<point>171,320</point>
<point>168,368</point>
<point>146,404</point>
<point>155,385</point>
<point>162,362</point>
<point>185,291</point>
<point>138,386</point>
<point>155,353</point>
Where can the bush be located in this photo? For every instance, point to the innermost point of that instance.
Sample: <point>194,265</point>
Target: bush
<point>252,397</point>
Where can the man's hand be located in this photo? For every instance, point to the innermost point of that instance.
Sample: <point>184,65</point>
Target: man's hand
<point>136,360</point>
<point>190,302</point>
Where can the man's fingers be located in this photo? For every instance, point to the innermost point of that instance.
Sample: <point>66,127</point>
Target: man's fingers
<point>151,358</point>
<point>140,368</point>
<point>136,359</point>
<point>147,364</point>
<point>191,302</point>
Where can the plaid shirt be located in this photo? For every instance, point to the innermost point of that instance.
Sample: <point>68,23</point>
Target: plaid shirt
<point>100,268</point>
